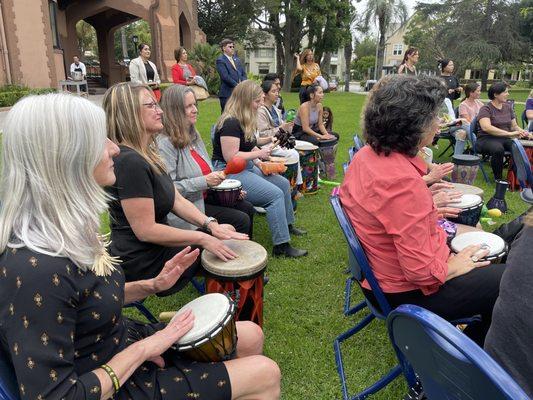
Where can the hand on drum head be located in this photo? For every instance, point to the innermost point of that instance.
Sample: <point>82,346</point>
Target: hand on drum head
<point>226,231</point>
<point>173,269</point>
<point>448,212</point>
<point>160,341</point>
<point>215,178</point>
<point>326,137</point>
<point>439,171</point>
<point>441,185</point>
<point>443,199</point>
<point>218,248</point>
<point>466,260</point>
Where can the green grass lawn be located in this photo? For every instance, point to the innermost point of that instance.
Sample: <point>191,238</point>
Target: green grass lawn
<point>304,299</point>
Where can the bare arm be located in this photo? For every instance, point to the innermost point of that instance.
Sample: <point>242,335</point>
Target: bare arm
<point>321,126</point>
<point>486,126</point>
<point>230,148</point>
<point>529,114</point>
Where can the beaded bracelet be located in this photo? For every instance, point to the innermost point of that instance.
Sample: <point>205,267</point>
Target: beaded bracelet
<point>112,375</point>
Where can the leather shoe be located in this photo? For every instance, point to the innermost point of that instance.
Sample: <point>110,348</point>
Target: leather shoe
<point>286,250</point>
<point>296,231</point>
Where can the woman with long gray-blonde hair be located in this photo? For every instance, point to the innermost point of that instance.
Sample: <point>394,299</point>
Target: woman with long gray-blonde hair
<point>144,193</point>
<point>189,165</point>
<point>61,294</point>
<point>235,135</point>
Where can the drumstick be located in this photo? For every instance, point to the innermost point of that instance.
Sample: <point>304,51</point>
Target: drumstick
<point>275,144</point>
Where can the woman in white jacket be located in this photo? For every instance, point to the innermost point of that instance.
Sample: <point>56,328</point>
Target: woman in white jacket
<point>143,71</point>
<point>270,122</point>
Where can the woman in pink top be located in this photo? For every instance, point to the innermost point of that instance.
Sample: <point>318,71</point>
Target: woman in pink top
<point>470,106</point>
<point>393,213</point>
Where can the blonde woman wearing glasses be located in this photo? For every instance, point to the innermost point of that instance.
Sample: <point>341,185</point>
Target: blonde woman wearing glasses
<point>144,193</point>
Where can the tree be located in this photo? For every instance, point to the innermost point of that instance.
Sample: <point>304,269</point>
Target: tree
<point>362,66</point>
<point>139,28</point>
<point>492,35</point>
<point>87,41</point>
<point>366,47</point>
<point>383,13</point>
<point>221,19</point>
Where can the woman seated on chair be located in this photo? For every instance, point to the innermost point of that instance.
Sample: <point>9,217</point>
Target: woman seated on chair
<point>309,122</point>
<point>62,294</point>
<point>235,136</point>
<point>394,215</point>
<point>457,127</point>
<point>509,339</point>
<point>183,73</point>
<point>496,126</point>
<point>144,193</point>
<point>186,161</point>
<point>470,106</point>
<point>270,123</point>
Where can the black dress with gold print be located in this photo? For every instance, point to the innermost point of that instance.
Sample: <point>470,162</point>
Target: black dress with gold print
<point>57,324</point>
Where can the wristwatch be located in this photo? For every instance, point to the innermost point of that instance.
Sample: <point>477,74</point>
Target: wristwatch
<point>207,221</point>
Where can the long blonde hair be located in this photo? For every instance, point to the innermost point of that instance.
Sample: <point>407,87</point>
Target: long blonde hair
<point>124,123</point>
<point>51,202</point>
<point>175,124</point>
<point>239,106</point>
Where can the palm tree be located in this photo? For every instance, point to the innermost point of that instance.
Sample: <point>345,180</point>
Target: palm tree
<point>383,13</point>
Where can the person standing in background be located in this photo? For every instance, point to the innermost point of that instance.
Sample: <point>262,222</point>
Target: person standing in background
<point>78,66</point>
<point>408,65</point>
<point>144,72</point>
<point>452,83</point>
<point>230,69</point>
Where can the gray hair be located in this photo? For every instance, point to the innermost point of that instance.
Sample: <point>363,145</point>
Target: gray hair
<point>50,200</point>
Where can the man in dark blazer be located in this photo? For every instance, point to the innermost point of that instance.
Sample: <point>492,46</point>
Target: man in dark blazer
<point>230,69</point>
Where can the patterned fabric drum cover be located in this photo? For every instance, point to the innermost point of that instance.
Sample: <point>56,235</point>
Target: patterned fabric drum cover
<point>328,151</point>
<point>213,336</point>
<point>243,274</point>
<point>496,245</point>
<point>309,164</point>
<point>465,168</point>
<point>471,206</point>
<point>228,192</point>
<point>291,173</point>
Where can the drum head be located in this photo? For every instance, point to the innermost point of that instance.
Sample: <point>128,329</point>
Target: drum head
<point>467,201</point>
<point>228,184</point>
<point>252,258</point>
<point>527,143</point>
<point>291,160</point>
<point>209,311</point>
<point>468,189</point>
<point>302,145</point>
<point>495,243</point>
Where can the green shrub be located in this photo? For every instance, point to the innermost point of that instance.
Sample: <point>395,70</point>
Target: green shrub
<point>10,97</point>
<point>203,58</point>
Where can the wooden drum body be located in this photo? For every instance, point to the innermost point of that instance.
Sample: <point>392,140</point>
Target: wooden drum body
<point>328,151</point>
<point>471,206</point>
<point>228,192</point>
<point>243,275</point>
<point>309,164</point>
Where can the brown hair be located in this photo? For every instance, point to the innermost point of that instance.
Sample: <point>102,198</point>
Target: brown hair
<point>409,52</point>
<point>304,55</point>
<point>178,52</point>
<point>175,123</point>
<point>125,126</point>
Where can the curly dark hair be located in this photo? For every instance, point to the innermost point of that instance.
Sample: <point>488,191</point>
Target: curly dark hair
<point>399,110</point>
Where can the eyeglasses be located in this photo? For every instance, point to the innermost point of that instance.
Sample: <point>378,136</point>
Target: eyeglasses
<point>153,105</point>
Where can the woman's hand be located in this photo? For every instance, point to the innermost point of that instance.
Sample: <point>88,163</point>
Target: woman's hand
<point>287,126</point>
<point>446,198</point>
<point>215,178</point>
<point>174,268</point>
<point>441,185</point>
<point>326,137</point>
<point>225,231</point>
<point>218,248</point>
<point>450,91</point>
<point>264,152</point>
<point>448,212</point>
<point>524,134</point>
<point>242,194</point>
<point>439,171</point>
<point>465,261</point>
<point>160,341</point>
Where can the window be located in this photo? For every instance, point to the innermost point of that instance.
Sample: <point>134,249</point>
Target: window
<point>263,69</point>
<point>52,8</point>
<point>264,53</point>
<point>333,69</point>
<point>397,50</point>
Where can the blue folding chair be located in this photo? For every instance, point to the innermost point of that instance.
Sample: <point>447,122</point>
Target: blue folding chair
<point>351,153</point>
<point>449,365</point>
<point>345,167</point>
<point>8,382</point>
<point>361,270</point>
<point>143,310</point>
<point>522,164</point>
<point>473,140</point>
<point>358,142</point>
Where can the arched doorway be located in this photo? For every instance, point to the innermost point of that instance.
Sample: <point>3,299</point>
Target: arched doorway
<point>185,32</point>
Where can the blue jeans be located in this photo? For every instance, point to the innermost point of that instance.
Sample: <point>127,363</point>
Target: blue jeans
<point>273,193</point>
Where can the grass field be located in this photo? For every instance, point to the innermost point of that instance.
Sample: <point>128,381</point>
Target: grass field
<point>303,301</point>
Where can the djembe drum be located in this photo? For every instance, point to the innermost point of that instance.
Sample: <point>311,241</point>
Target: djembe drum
<point>291,174</point>
<point>243,274</point>
<point>495,244</point>
<point>228,192</point>
<point>308,163</point>
<point>213,336</point>
<point>328,151</point>
<point>471,206</point>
